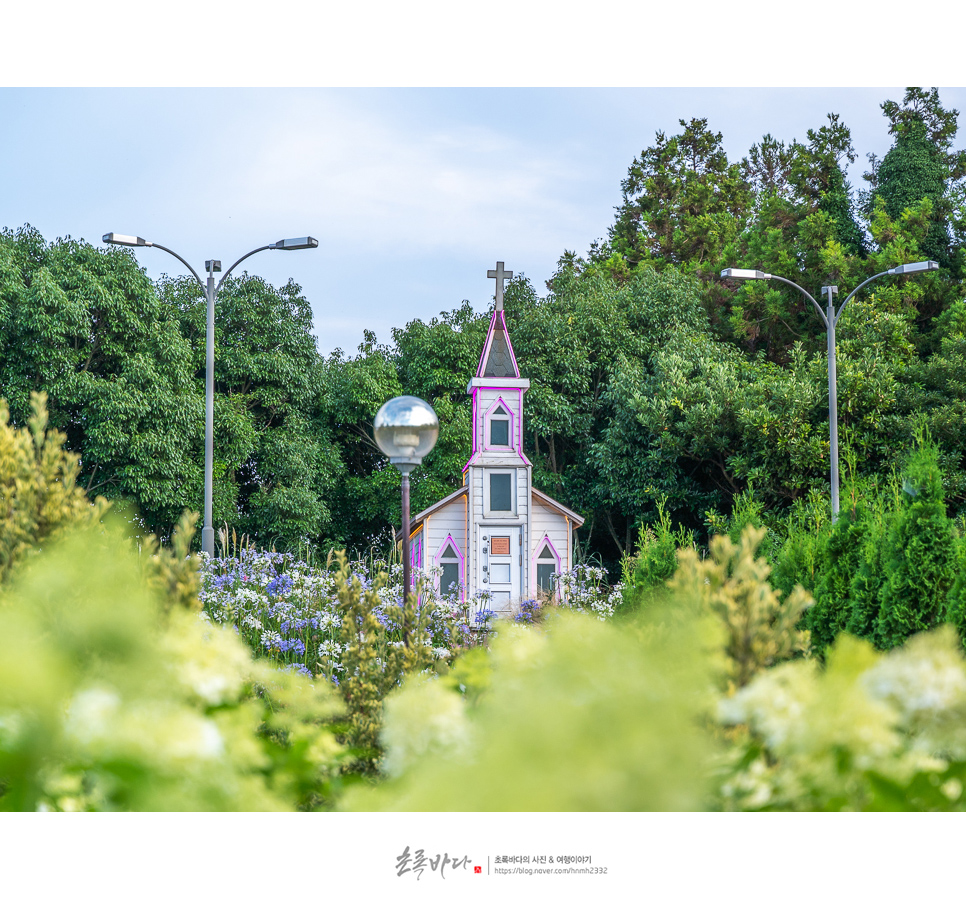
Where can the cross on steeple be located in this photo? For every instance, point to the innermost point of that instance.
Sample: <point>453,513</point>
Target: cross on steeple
<point>500,276</point>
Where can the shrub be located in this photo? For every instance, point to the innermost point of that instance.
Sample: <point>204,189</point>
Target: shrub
<point>39,494</point>
<point>106,704</point>
<point>870,731</point>
<point>645,574</point>
<point>588,716</point>
<point>114,694</point>
<point>956,602</point>
<point>731,587</point>
<point>919,553</point>
<point>804,532</point>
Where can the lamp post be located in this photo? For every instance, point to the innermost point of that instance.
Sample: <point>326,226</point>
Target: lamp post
<point>406,429</point>
<point>211,292</point>
<point>831,317</point>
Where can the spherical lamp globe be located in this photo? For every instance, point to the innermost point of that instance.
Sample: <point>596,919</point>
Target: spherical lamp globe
<point>406,429</point>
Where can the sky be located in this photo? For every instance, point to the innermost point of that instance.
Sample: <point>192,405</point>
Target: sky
<point>413,193</point>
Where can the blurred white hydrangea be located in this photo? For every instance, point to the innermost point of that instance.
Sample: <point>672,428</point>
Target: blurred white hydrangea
<point>423,719</point>
<point>895,714</point>
<point>154,731</point>
<point>925,684</point>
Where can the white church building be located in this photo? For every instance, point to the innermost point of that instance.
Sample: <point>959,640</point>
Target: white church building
<point>497,533</point>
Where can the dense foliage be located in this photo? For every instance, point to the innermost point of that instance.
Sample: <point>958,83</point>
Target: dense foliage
<point>700,702</point>
<point>114,693</point>
<point>117,692</point>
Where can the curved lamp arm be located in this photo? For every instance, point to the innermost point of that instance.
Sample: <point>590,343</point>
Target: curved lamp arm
<point>752,274</point>
<point>119,239</point>
<point>182,261</point>
<point>905,269</point>
<point>821,312</point>
<point>303,242</point>
<point>238,261</point>
<point>838,312</point>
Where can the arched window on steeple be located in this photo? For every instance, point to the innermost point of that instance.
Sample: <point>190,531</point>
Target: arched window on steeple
<point>500,427</point>
<point>498,424</point>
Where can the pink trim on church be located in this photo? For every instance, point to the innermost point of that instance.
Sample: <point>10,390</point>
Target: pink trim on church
<point>449,541</point>
<point>535,559</point>
<point>518,420</point>
<point>488,344</point>
<point>511,418</point>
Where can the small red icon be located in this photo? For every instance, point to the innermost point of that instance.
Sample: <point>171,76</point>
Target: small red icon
<point>478,870</point>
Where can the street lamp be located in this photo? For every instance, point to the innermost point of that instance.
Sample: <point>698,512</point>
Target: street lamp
<point>831,319</point>
<point>211,291</point>
<point>406,429</point>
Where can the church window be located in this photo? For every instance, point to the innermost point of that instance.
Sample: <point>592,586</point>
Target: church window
<point>546,570</point>
<point>450,581</point>
<point>501,491</point>
<point>500,428</point>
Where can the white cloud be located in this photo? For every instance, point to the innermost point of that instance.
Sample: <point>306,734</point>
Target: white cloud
<point>362,179</point>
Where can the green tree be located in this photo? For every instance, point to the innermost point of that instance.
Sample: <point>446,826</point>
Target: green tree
<point>683,202</point>
<point>275,466</point>
<point>921,165</point>
<point>919,554</point>
<point>933,389</point>
<point>818,177</point>
<point>85,325</point>
<point>803,227</point>
<point>840,560</point>
<point>436,361</point>
<point>433,361</point>
<point>865,591</point>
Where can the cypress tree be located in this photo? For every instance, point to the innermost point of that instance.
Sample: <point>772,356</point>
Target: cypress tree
<point>919,553</point>
<point>956,602</point>
<point>842,556</point>
<point>921,164</point>
<point>912,170</point>
<point>868,577</point>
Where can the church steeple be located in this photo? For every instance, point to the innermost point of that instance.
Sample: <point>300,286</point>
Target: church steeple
<point>498,359</point>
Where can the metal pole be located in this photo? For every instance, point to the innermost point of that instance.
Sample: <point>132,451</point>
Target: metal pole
<point>208,532</point>
<point>407,564</point>
<point>833,408</point>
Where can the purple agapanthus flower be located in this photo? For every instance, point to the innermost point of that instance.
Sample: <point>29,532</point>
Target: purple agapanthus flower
<point>279,586</point>
<point>301,668</point>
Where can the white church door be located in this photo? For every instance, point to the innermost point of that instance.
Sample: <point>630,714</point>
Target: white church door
<point>500,565</point>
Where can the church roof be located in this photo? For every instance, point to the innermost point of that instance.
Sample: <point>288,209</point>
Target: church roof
<point>536,493</point>
<point>440,504</point>
<point>498,359</point>
<point>563,509</point>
